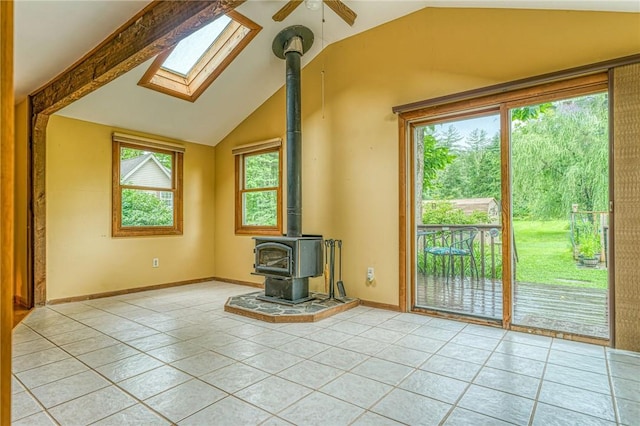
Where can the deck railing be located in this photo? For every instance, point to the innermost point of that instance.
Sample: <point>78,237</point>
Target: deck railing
<point>487,250</point>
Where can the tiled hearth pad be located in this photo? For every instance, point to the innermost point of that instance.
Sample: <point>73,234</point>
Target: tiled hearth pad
<point>321,307</point>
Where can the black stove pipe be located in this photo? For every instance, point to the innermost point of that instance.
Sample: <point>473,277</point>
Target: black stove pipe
<point>294,145</point>
<point>290,44</point>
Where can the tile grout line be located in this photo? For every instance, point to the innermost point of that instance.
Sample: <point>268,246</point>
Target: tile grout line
<point>614,399</point>
<point>539,391</point>
<point>109,381</point>
<point>471,383</point>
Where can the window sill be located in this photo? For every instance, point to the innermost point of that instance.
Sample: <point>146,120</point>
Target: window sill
<point>145,232</point>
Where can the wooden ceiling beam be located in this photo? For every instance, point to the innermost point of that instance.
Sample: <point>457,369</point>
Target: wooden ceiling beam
<point>156,28</point>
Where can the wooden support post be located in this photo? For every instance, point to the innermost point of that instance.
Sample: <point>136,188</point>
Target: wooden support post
<point>38,159</point>
<point>7,154</point>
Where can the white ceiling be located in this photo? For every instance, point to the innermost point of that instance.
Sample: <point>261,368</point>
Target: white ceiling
<point>50,35</point>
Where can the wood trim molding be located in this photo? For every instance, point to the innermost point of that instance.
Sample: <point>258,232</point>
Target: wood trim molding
<point>156,28</point>
<point>256,146</point>
<point>239,282</point>
<point>7,207</point>
<point>147,142</point>
<point>505,185</point>
<point>20,301</point>
<point>378,305</point>
<point>560,89</point>
<point>402,216</point>
<point>127,291</point>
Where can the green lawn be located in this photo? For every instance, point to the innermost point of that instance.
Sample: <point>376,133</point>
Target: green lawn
<point>544,256</point>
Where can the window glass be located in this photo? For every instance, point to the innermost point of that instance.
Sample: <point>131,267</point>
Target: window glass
<point>190,49</point>
<point>145,208</point>
<point>260,208</point>
<point>261,170</point>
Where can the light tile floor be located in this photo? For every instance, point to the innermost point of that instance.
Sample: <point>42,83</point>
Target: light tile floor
<point>174,356</point>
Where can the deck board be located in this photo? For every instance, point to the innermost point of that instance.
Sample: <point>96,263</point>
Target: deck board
<point>576,310</point>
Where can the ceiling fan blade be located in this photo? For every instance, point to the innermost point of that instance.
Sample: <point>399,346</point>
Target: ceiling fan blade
<point>342,10</point>
<point>286,10</point>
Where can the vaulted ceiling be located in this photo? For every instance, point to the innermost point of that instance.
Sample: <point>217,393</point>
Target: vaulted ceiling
<point>51,35</point>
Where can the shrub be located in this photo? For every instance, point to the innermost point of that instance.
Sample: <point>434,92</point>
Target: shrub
<point>589,246</point>
<point>444,212</point>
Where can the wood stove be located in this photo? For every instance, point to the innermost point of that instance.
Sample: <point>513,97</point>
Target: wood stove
<point>289,261</point>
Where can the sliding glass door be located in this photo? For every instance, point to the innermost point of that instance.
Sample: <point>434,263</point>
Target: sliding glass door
<point>560,200</point>
<point>510,208</point>
<point>457,233</point>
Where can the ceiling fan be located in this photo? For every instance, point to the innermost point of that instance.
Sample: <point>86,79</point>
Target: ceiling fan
<point>341,9</point>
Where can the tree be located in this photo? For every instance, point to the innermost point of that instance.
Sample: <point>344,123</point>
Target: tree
<point>142,208</point>
<point>482,165</point>
<point>475,170</point>
<point>437,156</point>
<point>530,112</point>
<point>431,157</point>
<point>560,158</point>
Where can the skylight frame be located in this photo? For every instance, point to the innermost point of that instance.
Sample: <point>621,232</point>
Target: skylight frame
<point>227,46</point>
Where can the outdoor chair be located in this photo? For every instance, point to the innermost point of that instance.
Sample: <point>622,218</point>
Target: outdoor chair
<point>450,245</point>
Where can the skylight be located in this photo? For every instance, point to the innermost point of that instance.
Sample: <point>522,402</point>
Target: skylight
<point>188,52</point>
<point>188,68</point>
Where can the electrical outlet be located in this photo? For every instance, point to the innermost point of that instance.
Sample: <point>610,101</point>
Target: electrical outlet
<point>156,262</point>
<point>370,274</point>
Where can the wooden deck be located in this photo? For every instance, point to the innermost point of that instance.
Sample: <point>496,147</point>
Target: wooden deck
<point>566,309</point>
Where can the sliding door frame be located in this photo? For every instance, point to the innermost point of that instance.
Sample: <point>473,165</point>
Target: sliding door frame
<point>536,100</point>
<point>458,106</point>
<point>411,132</point>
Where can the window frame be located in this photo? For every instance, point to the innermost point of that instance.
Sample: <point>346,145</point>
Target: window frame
<point>117,229</point>
<point>240,227</point>
<point>231,42</point>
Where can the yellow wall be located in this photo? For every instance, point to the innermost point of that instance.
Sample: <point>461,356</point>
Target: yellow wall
<point>82,257</point>
<point>350,172</point>
<point>21,190</point>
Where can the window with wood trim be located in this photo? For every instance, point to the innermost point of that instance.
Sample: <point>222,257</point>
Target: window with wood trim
<point>259,188</point>
<point>147,187</point>
<point>188,68</point>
